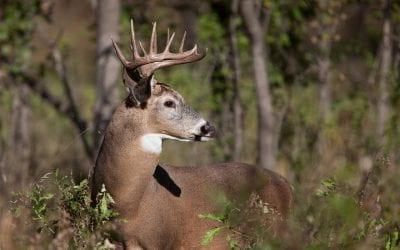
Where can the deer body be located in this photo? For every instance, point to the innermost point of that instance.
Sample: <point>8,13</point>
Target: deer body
<point>160,203</point>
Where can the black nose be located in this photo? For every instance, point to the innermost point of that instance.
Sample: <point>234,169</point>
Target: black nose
<point>208,130</point>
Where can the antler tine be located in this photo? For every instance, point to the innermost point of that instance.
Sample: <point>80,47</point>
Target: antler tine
<point>143,50</point>
<point>120,55</point>
<point>133,41</point>
<point>195,49</point>
<point>169,42</point>
<point>182,42</point>
<point>153,41</point>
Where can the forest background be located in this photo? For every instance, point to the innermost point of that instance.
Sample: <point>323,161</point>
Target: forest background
<point>307,88</point>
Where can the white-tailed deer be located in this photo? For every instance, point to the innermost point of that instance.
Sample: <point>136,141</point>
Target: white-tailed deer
<point>161,203</point>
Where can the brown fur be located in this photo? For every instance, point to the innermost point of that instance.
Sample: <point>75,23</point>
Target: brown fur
<point>156,217</point>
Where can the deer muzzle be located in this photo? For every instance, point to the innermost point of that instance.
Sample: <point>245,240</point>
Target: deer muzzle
<point>206,131</point>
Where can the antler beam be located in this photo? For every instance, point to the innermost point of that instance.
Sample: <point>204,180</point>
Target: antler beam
<point>152,60</point>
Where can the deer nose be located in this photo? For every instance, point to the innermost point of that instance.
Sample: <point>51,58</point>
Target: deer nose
<point>208,130</point>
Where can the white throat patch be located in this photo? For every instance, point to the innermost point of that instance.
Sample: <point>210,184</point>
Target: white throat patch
<point>152,142</point>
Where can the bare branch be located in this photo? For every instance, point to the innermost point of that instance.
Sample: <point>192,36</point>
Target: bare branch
<point>61,107</point>
<point>70,109</point>
<point>77,119</point>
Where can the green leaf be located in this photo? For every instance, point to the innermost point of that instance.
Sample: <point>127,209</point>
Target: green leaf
<point>103,207</point>
<point>47,196</point>
<point>392,241</point>
<point>233,244</point>
<point>213,217</point>
<point>210,235</point>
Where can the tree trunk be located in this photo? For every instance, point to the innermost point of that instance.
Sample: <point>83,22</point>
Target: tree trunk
<point>324,100</point>
<point>326,34</point>
<point>383,77</point>
<point>325,89</point>
<point>19,155</point>
<point>235,66</point>
<point>266,152</point>
<point>107,66</point>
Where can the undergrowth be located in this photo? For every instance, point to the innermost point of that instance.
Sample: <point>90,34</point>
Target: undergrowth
<point>60,212</point>
<point>335,215</point>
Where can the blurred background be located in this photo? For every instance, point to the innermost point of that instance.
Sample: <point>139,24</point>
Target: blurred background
<point>308,88</point>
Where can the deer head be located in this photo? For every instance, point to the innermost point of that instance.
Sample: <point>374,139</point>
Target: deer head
<point>159,107</point>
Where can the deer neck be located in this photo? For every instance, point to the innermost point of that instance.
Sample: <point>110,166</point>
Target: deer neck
<point>128,158</point>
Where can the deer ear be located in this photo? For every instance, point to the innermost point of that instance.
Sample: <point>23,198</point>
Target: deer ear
<point>139,90</point>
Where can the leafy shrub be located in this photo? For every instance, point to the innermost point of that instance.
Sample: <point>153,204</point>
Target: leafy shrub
<point>61,214</point>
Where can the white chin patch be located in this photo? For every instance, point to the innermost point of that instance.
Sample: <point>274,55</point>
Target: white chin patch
<point>152,142</point>
<point>205,138</point>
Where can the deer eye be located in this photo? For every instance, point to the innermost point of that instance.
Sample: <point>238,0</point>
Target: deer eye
<point>169,104</point>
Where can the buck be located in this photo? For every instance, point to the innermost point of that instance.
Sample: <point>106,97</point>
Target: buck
<point>160,204</point>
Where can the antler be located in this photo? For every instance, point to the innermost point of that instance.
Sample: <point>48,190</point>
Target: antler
<point>151,61</point>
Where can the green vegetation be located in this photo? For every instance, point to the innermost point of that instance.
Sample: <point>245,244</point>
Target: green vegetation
<point>60,212</point>
<point>333,216</point>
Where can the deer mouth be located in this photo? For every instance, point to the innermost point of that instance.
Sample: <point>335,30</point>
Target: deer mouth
<point>202,131</point>
<point>193,137</point>
<point>207,132</point>
<point>202,138</point>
